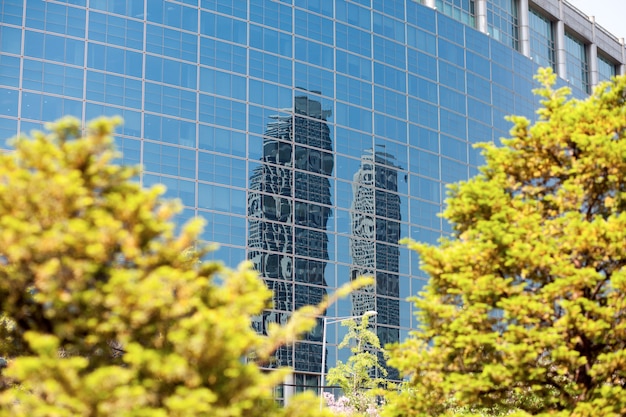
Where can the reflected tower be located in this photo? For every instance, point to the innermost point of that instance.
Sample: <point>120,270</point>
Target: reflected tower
<point>375,226</point>
<point>288,208</point>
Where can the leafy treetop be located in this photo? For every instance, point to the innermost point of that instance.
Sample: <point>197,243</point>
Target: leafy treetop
<point>356,377</point>
<point>525,309</point>
<point>106,311</point>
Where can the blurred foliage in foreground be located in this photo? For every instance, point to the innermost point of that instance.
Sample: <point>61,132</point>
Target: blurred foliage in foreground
<point>525,310</point>
<point>106,311</point>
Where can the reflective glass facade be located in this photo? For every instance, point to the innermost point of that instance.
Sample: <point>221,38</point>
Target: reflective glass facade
<point>502,21</point>
<point>577,62</point>
<point>541,39</point>
<point>462,10</point>
<point>311,134</point>
<point>606,69</point>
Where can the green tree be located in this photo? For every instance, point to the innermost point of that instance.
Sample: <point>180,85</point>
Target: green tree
<point>106,311</point>
<point>356,377</point>
<point>525,307</point>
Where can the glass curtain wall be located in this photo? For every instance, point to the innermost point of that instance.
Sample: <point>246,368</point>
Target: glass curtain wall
<point>502,21</point>
<point>541,39</point>
<point>606,69</point>
<point>461,10</point>
<point>577,64</point>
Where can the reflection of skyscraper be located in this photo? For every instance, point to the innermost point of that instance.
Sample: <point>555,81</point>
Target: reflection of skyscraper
<point>289,206</point>
<point>375,218</point>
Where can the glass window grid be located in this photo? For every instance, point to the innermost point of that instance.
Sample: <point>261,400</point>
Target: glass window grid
<point>314,53</point>
<point>424,138</point>
<point>116,30</point>
<point>176,15</point>
<point>10,40</point>
<point>422,64</point>
<point>224,55</point>
<point>426,188</point>
<point>389,52</point>
<point>221,140</point>
<point>130,150</point>
<point>314,79</point>
<point>169,71</point>
<point>606,69</point>
<point>169,160</point>
<point>222,169</point>
<point>451,30</point>
<point>58,18</point>
<point>235,8</point>
<point>314,26</point>
<point>389,77</point>
<point>353,39</point>
<point>225,28</point>
<point>222,83</point>
<point>113,59</point>
<point>542,49</point>
<point>422,17</point>
<point>132,118</point>
<point>316,6</point>
<point>424,163</point>
<point>225,228</point>
<point>129,9</point>
<point>452,100</point>
<point>390,127</point>
<point>10,71</point>
<point>52,78</point>
<point>269,67</point>
<point>354,91</point>
<point>169,130</point>
<point>354,65</point>
<point>272,14</point>
<point>193,3</point>
<point>354,142</point>
<point>452,76</point>
<point>37,106</point>
<point>169,100</point>
<point>421,40</point>
<point>53,47</point>
<point>185,190</point>
<point>393,8</point>
<point>267,39</point>
<point>502,21</point>
<point>11,12</point>
<point>225,199</point>
<point>390,102</point>
<point>423,114</point>
<point>173,43</point>
<point>453,171</point>
<point>388,27</point>
<point>461,10</point>
<point>350,12</point>
<point>577,64</point>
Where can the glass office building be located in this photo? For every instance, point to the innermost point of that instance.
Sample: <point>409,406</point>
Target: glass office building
<point>311,134</point>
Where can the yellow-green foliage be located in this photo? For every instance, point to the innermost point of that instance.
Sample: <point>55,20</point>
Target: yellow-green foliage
<point>354,377</point>
<point>525,308</point>
<point>105,311</point>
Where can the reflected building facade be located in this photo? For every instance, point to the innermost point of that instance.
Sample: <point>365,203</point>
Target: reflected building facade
<point>288,208</point>
<point>310,134</point>
<point>375,220</point>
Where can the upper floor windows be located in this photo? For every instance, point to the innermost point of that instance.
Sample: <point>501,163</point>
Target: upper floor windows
<point>577,63</point>
<point>462,10</point>
<point>502,21</point>
<point>541,39</point>
<point>606,69</point>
